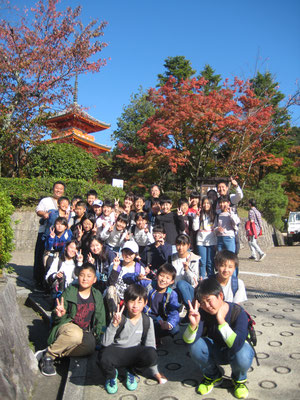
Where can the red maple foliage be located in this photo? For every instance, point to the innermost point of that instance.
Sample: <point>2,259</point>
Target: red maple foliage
<point>228,130</point>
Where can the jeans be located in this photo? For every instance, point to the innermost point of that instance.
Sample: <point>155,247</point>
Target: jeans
<point>209,356</point>
<point>207,263</point>
<point>254,247</point>
<point>227,243</point>
<point>186,291</point>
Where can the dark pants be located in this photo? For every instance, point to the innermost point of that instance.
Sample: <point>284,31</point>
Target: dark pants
<point>38,266</point>
<point>112,357</point>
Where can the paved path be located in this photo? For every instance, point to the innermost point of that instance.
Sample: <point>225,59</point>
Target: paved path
<point>273,288</point>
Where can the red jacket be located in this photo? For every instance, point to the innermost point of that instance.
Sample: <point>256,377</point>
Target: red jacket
<point>250,229</point>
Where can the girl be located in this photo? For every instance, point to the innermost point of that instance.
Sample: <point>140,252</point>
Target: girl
<point>101,257</point>
<point>128,203</point>
<point>140,231</point>
<point>58,237</point>
<point>116,235</point>
<point>86,229</point>
<point>206,239</point>
<point>61,271</point>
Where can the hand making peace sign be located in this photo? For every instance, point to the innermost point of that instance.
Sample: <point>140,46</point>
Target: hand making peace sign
<point>60,309</point>
<point>118,316</point>
<point>194,315</point>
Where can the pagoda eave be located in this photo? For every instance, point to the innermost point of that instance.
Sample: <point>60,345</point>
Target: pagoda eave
<point>71,119</point>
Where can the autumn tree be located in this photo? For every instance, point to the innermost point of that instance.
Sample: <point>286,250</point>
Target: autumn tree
<point>178,67</point>
<point>191,128</point>
<point>39,54</point>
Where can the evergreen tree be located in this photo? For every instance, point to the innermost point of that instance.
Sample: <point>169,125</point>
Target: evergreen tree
<point>213,79</point>
<point>178,67</point>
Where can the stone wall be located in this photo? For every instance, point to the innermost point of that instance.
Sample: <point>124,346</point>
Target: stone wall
<point>17,362</point>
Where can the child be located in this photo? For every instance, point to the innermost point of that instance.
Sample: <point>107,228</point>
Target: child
<point>159,252</point>
<point>226,263</point>
<point>224,341</point>
<point>61,272</point>
<point>226,224</point>
<point>206,238</point>
<point>183,207</point>
<point>91,196</point>
<point>63,210</point>
<point>163,303</point>
<point>80,211</point>
<point>97,208</point>
<point>140,231</point>
<point>186,265</point>
<point>58,237</point>
<point>107,218</point>
<point>173,223</point>
<point>116,235</point>
<point>123,273</point>
<point>85,230</point>
<point>153,212</point>
<point>78,321</point>
<point>139,202</point>
<point>194,201</point>
<point>128,203</point>
<point>129,341</point>
<point>101,257</point>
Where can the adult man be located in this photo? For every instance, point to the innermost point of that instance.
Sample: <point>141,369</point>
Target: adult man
<point>46,204</point>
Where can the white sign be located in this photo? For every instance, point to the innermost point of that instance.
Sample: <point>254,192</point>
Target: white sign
<point>118,183</point>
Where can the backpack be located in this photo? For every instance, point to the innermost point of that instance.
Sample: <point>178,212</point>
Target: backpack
<point>251,338</point>
<point>146,326</point>
<point>137,268</point>
<point>234,284</point>
<point>148,307</point>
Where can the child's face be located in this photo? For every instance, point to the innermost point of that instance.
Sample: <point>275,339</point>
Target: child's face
<point>79,211</point>
<point>87,225</point>
<point>227,269</point>
<point>222,189</point>
<point>59,227</point>
<point>106,211</point>
<point>194,202</point>
<point>206,205</point>
<point>155,192</point>
<point>64,205</point>
<point>86,278</point>
<point>71,250</point>
<point>182,249</point>
<point>139,204</point>
<point>155,208</point>
<point>135,307</point>
<point>166,208</point>
<point>90,199</point>
<point>141,223</point>
<point>96,247</point>
<point>128,256</point>
<point>164,280</point>
<point>224,205</point>
<point>211,303</point>
<point>159,237</point>
<point>97,210</point>
<point>128,203</point>
<point>184,208</point>
<point>120,225</point>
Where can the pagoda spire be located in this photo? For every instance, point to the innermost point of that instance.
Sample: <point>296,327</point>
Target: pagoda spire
<point>75,97</point>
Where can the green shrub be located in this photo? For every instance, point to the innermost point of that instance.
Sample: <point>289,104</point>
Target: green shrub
<point>28,192</point>
<point>6,231</point>
<point>60,159</point>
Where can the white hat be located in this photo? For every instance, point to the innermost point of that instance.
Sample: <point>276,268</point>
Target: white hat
<point>98,203</point>
<point>131,245</point>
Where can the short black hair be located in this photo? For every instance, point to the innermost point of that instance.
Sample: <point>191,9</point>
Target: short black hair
<point>139,196</point>
<point>123,217</point>
<point>224,198</point>
<point>159,228</point>
<point>194,195</point>
<point>222,181</point>
<point>226,255</point>
<point>252,202</point>
<point>58,183</point>
<point>81,203</point>
<point>92,192</point>
<point>142,215</point>
<point>76,197</point>
<point>62,220</point>
<point>134,292</point>
<point>89,266</point>
<point>108,203</point>
<point>167,268</point>
<point>182,239</point>
<point>207,287</point>
<point>63,198</point>
<point>165,199</point>
<point>129,196</point>
<point>182,200</point>
<point>90,217</point>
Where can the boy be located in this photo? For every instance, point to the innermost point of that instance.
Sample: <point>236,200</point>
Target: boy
<point>159,252</point>
<point>226,262</point>
<point>163,306</point>
<point>183,208</point>
<point>78,321</point>
<point>91,196</point>
<point>186,265</point>
<point>129,341</point>
<point>63,204</point>
<point>224,341</point>
<point>173,223</point>
<point>80,211</point>
<point>154,211</point>
<point>97,209</point>
<point>140,231</point>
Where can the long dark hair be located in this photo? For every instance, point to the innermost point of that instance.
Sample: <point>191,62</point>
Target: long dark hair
<point>211,213</point>
<point>103,255</point>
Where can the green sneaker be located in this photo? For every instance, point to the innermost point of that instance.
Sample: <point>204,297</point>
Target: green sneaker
<point>207,385</point>
<point>240,390</point>
<point>111,385</point>
<point>131,382</point>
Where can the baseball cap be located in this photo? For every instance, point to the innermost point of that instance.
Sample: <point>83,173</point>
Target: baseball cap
<point>131,245</point>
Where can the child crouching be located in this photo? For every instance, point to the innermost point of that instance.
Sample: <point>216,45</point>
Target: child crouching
<point>129,341</point>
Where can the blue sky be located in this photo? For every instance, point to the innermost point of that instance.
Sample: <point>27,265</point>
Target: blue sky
<point>235,37</point>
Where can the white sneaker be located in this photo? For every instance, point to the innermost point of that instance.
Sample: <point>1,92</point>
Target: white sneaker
<point>262,257</point>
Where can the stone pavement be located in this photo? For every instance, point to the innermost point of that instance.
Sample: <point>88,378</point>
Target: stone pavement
<point>273,288</point>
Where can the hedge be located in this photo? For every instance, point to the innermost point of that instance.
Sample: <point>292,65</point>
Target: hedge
<point>6,231</point>
<point>28,192</point>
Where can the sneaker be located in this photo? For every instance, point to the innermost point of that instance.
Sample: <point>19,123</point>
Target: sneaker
<point>240,390</point>
<point>262,257</point>
<point>252,258</point>
<point>131,382</point>
<point>40,354</point>
<point>207,385</point>
<point>111,385</point>
<point>47,366</point>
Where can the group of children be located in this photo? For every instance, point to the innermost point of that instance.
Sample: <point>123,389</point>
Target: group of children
<point>124,278</point>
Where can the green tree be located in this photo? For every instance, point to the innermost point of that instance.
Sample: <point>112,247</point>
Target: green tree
<point>62,160</point>
<point>6,231</point>
<point>271,199</point>
<point>178,67</point>
<point>213,79</point>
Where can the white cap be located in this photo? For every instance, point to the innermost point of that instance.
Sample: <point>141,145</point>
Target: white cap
<point>98,203</point>
<point>131,245</point>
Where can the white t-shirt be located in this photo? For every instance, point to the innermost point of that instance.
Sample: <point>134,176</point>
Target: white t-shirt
<point>46,204</point>
<point>67,267</point>
<point>240,295</point>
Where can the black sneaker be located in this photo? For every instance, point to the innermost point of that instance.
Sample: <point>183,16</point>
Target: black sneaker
<point>47,367</point>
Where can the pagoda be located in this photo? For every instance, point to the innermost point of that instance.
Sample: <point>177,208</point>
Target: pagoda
<point>74,125</point>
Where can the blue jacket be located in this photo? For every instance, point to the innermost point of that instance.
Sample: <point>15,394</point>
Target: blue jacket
<point>58,243</point>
